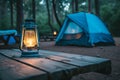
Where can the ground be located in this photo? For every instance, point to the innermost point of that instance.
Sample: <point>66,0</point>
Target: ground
<point>110,52</point>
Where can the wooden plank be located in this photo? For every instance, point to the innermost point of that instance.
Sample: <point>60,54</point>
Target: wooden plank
<point>13,70</point>
<point>74,56</point>
<point>56,70</point>
<point>86,66</point>
<point>62,54</point>
<point>11,53</point>
<point>97,64</point>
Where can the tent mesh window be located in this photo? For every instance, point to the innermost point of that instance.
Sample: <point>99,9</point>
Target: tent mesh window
<point>73,31</point>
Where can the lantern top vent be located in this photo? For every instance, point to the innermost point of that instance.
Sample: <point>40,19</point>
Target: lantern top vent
<point>29,23</point>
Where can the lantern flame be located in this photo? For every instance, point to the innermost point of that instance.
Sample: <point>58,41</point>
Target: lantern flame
<point>30,38</point>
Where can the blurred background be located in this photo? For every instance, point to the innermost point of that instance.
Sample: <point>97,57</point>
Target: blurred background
<point>50,14</point>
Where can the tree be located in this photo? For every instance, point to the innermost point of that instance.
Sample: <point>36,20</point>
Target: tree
<point>19,14</point>
<point>54,10</point>
<point>11,12</point>
<point>74,4</point>
<point>3,14</point>
<point>34,10</point>
<point>89,5</point>
<point>97,10</point>
<point>49,23</point>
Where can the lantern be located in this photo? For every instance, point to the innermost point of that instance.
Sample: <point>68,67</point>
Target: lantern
<point>54,33</point>
<point>29,39</point>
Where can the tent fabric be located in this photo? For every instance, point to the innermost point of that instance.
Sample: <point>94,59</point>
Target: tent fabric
<point>11,33</point>
<point>11,40</point>
<point>90,28</point>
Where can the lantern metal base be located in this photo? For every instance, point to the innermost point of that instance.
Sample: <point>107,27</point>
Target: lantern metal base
<point>31,54</point>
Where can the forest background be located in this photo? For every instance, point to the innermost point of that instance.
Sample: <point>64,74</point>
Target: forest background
<point>50,14</point>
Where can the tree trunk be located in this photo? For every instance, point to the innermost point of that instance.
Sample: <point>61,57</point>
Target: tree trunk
<point>53,16</point>
<point>3,14</point>
<point>76,5</point>
<point>73,6</point>
<point>47,5</point>
<point>54,10</point>
<point>3,9</point>
<point>97,7</point>
<point>11,13</point>
<point>89,5</point>
<point>19,15</point>
<point>33,10</point>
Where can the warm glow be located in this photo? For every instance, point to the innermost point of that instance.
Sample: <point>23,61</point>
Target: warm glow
<point>30,38</point>
<point>55,33</point>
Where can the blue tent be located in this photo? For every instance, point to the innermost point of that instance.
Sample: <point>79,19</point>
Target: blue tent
<point>84,29</point>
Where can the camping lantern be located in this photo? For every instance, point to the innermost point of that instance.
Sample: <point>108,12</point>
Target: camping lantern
<point>29,39</point>
<point>54,33</point>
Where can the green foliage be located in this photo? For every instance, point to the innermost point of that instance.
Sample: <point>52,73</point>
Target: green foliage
<point>4,16</point>
<point>41,21</point>
<point>115,23</point>
<point>4,24</point>
<point>110,13</point>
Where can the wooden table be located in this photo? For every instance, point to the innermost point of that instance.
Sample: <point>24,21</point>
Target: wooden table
<point>52,65</point>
